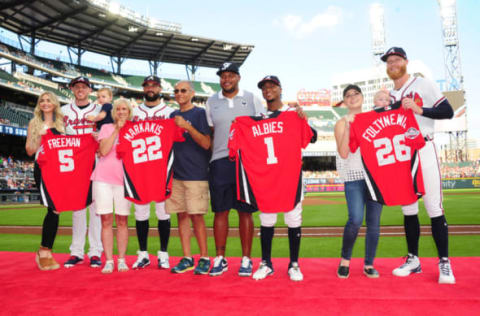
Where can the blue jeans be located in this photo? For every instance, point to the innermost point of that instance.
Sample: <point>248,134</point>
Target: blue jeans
<point>356,195</point>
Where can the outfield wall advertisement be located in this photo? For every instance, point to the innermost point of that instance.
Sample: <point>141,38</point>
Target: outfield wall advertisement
<point>329,185</point>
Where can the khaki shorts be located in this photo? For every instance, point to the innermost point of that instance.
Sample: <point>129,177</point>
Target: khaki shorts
<point>188,196</point>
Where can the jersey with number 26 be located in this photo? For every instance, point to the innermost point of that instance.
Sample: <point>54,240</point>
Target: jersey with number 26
<point>66,164</point>
<point>268,152</point>
<point>389,139</point>
<point>146,150</point>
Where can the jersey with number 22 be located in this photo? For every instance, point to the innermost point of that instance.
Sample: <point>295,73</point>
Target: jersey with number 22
<point>145,148</point>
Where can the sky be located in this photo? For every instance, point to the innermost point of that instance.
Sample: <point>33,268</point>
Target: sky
<point>305,43</point>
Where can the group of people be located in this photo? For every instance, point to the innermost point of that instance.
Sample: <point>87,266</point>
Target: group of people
<point>428,104</point>
<point>203,172</point>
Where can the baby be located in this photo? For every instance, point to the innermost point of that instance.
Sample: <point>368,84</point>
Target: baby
<point>104,98</point>
<point>381,99</point>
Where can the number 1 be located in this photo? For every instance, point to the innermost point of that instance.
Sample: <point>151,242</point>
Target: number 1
<point>271,159</point>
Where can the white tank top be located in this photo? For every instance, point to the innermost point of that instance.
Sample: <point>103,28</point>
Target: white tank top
<point>350,169</point>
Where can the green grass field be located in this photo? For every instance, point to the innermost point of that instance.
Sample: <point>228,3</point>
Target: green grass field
<point>460,208</point>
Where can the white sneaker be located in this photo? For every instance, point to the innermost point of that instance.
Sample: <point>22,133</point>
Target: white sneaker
<point>109,266</point>
<point>445,272</point>
<point>245,267</point>
<point>122,265</point>
<point>263,271</point>
<point>411,265</point>
<point>163,262</point>
<point>295,273</point>
<point>143,260</point>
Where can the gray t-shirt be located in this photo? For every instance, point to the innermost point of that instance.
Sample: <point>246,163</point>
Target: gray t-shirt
<point>221,111</point>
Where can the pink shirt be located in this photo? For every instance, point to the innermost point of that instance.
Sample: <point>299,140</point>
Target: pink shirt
<point>109,168</point>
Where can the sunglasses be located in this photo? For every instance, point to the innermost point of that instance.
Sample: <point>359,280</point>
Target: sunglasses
<point>176,91</point>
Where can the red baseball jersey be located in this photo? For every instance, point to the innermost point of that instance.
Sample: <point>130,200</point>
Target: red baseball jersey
<point>268,153</point>
<point>389,140</point>
<point>145,148</point>
<point>66,164</point>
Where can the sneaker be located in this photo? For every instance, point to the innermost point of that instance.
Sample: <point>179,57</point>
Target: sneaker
<point>109,266</point>
<point>163,260</point>
<point>294,272</point>
<point>72,261</point>
<point>122,265</point>
<point>220,265</point>
<point>371,273</point>
<point>203,266</point>
<point>446,274</point>
<point>185,264</point>
<point>343,272</point>
<point>143,260</point>
<point>411,265</point>
<point>263,271</point>
<point>95,262</point>
<point>245,267</point>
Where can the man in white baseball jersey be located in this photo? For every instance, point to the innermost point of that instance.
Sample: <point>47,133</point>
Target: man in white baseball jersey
<point>428,104</point>
<point>76,123</point>
<point>151,109</point>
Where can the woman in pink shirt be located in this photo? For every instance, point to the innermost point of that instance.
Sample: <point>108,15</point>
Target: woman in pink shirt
<point>108,187</point>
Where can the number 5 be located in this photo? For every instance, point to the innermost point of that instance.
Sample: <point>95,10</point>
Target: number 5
<point>65,157</point>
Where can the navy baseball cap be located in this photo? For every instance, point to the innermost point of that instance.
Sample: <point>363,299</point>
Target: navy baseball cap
<point>394,51</point>
<point>151,78</point>
<point>270,78</point>
<point>81,79</point>
<point>231,67</point>
<point>351,87</point>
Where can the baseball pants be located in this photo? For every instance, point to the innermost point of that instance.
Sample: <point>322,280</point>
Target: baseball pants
<point>79,230</point>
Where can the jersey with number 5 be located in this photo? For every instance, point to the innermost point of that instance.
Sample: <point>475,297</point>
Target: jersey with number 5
<point>146,150</point>
<point>389,140</point>
<point>268,153</point>
<point>66,164</point>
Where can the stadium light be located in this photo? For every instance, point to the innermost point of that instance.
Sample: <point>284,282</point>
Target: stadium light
<point>378,29</point>
<point>227,46</point>
<point>194,39</point>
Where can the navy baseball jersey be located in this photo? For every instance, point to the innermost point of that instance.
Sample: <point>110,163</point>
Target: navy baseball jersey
<point>268,153</point>
<point>66,164</point>
<point>389,139</point>
<point>146,151</point>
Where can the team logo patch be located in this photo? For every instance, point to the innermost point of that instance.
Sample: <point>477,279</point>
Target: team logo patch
<point>232,132</point>
<point>412,133</point>
<point>244,102</point>
<point>225,66</point>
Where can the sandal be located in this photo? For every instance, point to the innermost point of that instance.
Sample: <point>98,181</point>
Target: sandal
<point>42,262</point>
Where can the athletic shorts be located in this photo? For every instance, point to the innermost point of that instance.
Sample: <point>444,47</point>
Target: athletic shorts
<point>107,195</point>
<point>188,196</point>
<point>223,187</point>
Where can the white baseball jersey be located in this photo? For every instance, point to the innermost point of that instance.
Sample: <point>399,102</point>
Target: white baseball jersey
<point>425,94</point>
<point>75,118</point>
<point>143,112</point>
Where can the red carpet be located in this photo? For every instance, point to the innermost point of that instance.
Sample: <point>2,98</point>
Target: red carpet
<point>83,290</point>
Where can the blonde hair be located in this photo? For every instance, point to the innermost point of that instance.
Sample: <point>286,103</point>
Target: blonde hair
<point>108,90</point>
<point>118,102</point>
<point>380,92</point>
<point>37,122</point>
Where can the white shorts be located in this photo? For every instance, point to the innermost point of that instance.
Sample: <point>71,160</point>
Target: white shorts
<point>106,195</point>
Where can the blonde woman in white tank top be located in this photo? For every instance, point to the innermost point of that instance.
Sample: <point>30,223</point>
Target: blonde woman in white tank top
<point>350,168</point>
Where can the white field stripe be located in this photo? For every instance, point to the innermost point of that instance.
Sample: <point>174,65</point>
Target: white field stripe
<point>244,184</point>
<point>127,185</point>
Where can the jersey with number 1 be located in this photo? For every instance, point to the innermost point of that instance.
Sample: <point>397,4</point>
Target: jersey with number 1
<point>389,139</point>
<point>146,150</point>
<point>268,153</point>
<point>66,164</point>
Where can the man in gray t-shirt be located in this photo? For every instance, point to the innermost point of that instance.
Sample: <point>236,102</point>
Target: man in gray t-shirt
<point>222,108</point>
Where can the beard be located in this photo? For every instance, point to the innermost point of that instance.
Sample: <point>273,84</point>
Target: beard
<point>396,74</point>
<point>152,97</point>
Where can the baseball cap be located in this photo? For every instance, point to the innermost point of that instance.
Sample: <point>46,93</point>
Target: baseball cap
<point>151,78</point>
<point>231,67</point>
<point>270,78</point>
<point>350,87</point>
<point>80,79</point>
<point>394,51</point>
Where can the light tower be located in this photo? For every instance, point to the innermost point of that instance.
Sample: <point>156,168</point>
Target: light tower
<point>453,71</point>
<point>377,27</point>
